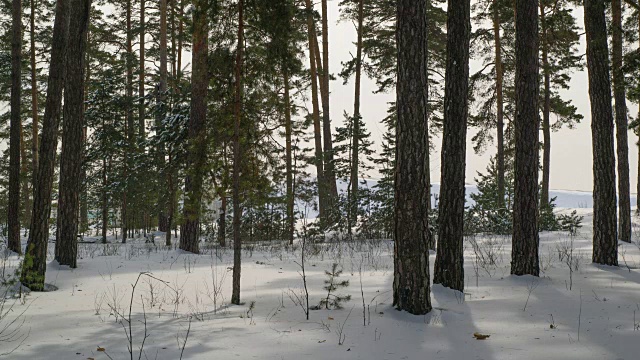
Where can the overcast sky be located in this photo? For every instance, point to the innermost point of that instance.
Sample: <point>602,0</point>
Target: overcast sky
<point>571,157</point>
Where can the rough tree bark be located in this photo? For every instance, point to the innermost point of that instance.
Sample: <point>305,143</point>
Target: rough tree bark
<point>197,130</point>
<point>15,129</point>
<point>33,270</point>
<point>622,124</point>
<point>72,136</point>
<point>605,241</point>
<point>524,253</point>
<point>411,289</point>
<point>237,157</point>
<point>449,270</point>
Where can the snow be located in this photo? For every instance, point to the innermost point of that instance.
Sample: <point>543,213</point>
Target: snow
<point>526,318</point>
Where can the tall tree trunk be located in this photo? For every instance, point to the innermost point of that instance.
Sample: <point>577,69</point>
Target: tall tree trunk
<point>546,111</point>
<point>33,271</point>
<point>291,220</point>
<point>355,142</point>
<point>84,198</point>
<point>161,98</point>
<point>15,129</point>
<point>329,167</point>
<point>180,36</point>
<point>319,162</point>
<point>71,158</point>
<point>189,241</point>
<point>524,253</point>
<point>622,125</point>
<point>605,240</point>
<point>237,151</point>
<point>129,121</point>
<point>638,182</point>
<point>449,269</point>
<point>141,92</point>
<point>411,289</point>
<point>34,98</point>
<point>500,156</point>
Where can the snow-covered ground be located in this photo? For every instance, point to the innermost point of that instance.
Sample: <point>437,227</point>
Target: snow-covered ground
<point>594,313</point>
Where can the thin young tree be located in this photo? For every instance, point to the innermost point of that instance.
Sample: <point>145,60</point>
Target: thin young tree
<point>33,270</point>
<point>72,136</point>
<point>524,253</point>
<point>189,241</point>
<point>15,129</point>
<point>237,157</point>
<point>411,289</point>
<point>622,124</point>
<point>355,141</point>
<point>449,269</point>
<point>605,240</point>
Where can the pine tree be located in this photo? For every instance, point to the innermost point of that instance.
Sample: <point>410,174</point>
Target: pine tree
<point>197,130</point>
<point>525,241</point>
<point>622,124</point>
<point>13,222</point>
<point>72,136</point>
<point>411,290</point>
<point>34,266</point>
<point>605,241</point>
<point>449,269</point>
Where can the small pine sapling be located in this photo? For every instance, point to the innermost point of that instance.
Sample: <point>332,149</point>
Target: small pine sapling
<point>332,284</point>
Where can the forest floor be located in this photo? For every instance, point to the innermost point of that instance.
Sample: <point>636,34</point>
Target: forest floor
<point>579,312</point>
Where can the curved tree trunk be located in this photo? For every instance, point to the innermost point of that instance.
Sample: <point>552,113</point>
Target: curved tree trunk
<point>605,241</point>
<point>622,125</point>
<point>197,131</point>
<point>33,271</point>
<point>449,269</point>
<point>411,289</point>
<point>524,250</point>
<point>15,129</point>
<point>71,158</point>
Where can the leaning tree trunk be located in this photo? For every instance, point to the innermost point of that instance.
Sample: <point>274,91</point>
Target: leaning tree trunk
<point>500,156</point>
<point>411,289</point>
<point>33,271</point>
<point>524,253</point>
<point>317,132</point>
<point>449,270</point>
<point>605,241</point>
<point>197,129</point>
<point>622,126</point>
<point>546,111</point>
<point>237,151</point>
<point>15,129</point>
<point>72,136</point>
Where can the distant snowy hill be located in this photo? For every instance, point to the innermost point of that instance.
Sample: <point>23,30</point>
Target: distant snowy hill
<point>564,198</point>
